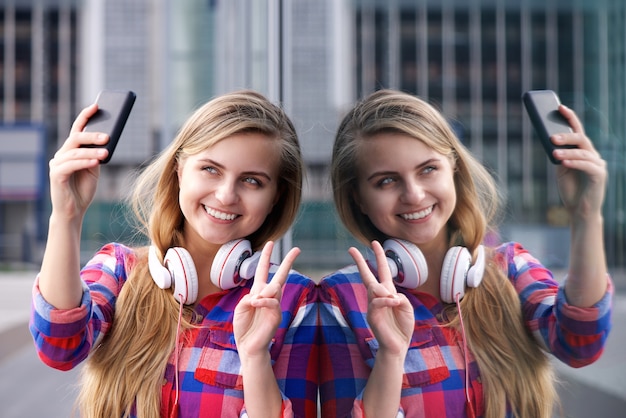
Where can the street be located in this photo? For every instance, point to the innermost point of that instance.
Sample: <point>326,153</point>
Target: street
<point>30,389</point>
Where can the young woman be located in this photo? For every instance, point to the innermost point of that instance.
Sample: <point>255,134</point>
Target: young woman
<point>175,329</point>
<point>451,328</point>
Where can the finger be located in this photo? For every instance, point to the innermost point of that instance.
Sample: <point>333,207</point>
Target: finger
<point>589,156</point>
<point>364,270</point>
<point>73,148</point>
<point>593,167</point>
<point>384,272</point>
<point>61,170</point>
<point>368,278</point>
<point>81,120</point>
<point>265,302</point>
<point>572,119</point>
<point>579,141</point>
<point>282,274</point>
<point>391,301</point>
<point>262,268</point>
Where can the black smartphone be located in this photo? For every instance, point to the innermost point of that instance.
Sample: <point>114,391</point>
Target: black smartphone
<point>543,109</point>
<point>114,106</point>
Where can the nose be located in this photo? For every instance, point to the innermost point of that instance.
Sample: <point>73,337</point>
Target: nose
<point>226,192</point>
<point>413,192</point>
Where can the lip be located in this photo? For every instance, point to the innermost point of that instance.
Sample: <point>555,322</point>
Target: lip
<point>418,215</point>
<point>220,215</point>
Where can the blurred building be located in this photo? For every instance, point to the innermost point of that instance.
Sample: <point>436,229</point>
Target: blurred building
<point>472,59</point>
<point>37,87</point>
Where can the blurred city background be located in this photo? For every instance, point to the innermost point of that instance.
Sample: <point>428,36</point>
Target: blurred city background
<point>473,59</point>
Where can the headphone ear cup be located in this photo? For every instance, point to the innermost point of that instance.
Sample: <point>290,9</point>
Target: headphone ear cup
<point>454,271</point>
<point>181,267</point>
<point>476,272</point>
<point>159,273</point>
<point>410,262</point>
<point>227,262</point>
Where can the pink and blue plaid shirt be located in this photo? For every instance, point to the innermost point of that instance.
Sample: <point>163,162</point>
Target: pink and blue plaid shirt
<point>209,368</point>
<point>434,378</point>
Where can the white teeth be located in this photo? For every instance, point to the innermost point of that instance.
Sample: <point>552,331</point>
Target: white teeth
<point>418,215</point>
<point>220,215</point>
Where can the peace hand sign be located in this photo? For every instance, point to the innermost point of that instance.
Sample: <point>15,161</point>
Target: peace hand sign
<point>258,314</point>
<point>389,313</point>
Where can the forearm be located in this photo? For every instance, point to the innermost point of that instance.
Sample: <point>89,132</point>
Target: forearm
<point>587,276</point>
<point>59,278</point>
<point>262,396</point>
<point>381,397</point>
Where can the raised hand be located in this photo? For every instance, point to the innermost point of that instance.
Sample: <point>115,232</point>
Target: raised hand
<point>389,313</point>
<point>581,179</point>
<point>258,314</point>
<point>74,171</point>
<point>582,174</point>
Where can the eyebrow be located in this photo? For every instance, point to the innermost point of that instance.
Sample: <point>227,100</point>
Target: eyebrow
<point>209,161</point>
<point>419,166</point>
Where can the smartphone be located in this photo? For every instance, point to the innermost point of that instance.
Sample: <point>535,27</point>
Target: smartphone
<point>114,106</point>
<point>543,109</point>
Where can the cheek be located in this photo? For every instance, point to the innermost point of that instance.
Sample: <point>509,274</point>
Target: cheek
<point>367,202</point>
<point>450,198</point>
<point>265,204</point>
<point>376,210</point>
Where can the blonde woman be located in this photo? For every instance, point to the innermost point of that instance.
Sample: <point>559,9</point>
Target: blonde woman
<point>434,323</point>
<point>181,327</point>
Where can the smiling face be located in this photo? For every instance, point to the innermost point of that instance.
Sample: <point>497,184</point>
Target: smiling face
<point>227,191</point>
<point>405,188</point>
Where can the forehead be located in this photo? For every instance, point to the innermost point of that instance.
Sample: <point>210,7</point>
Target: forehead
<point>392,145</point>
<point>254,149</point>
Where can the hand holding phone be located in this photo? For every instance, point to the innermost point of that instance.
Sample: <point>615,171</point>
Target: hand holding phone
<point>543,109</point>
<point>114,106</point>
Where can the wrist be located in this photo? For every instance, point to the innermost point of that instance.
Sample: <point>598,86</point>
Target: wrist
<point>254,361</point>
<point>582,222</point>
<point>391,358</point>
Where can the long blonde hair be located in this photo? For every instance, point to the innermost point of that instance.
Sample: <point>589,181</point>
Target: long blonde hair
<point>127,369</point>
<point>515,372</point>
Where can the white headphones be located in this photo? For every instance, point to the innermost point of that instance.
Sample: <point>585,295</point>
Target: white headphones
<point>409,269</point>
<point>233,264</point>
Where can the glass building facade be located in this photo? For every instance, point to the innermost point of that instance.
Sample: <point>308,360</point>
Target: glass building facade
<point>471,58</point>
<point>474,59</point>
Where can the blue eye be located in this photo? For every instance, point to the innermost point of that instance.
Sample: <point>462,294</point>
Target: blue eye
<point>252,180</point>
<point>385,181</point>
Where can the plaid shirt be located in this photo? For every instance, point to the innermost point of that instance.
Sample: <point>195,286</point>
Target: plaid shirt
<point>209,369</point>
<point>434,378</point>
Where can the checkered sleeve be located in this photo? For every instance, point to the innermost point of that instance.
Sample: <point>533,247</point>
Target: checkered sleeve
<point>64,338</point>
<point>574,335</point>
